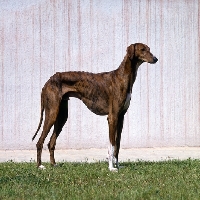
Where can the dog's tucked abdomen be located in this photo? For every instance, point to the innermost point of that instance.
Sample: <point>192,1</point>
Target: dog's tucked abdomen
<point>89,89</point>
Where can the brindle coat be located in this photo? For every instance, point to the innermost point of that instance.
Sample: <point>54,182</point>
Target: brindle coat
<point>105,93</point>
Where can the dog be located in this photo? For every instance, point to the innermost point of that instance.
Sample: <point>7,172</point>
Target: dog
<point>107,93</point>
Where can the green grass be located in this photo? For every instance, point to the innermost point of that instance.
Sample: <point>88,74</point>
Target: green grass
<point>137,180</point>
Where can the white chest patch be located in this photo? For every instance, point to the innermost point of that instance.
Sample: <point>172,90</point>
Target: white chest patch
<point>127,102</point>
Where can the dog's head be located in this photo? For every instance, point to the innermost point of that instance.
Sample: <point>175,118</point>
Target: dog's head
<point>141,52</point>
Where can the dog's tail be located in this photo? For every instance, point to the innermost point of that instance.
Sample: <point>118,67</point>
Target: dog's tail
<point>41,117</point>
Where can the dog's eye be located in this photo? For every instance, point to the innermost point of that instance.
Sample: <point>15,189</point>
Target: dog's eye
<point>143,49</point>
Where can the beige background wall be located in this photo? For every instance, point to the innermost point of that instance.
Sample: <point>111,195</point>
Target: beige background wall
<point>40,37</point>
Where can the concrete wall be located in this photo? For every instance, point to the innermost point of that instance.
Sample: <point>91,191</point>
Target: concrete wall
<point>41,37</point>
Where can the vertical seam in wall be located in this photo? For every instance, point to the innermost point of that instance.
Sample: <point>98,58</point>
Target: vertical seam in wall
<point>69,41</point>
<point>40,44</point>
<point>122,12</point>
<point>91,45</point>
<point>69,61</point>
<point>185,99</point>
<point>79,62</point>
<point>16,68</point>
<point>33,66</point>
<point>2,82</point>
<point>140,88</point>
<point>54,32</point>
<point>161,75</point>
<point>199,52</point>
<point>148,106</point>
<point>91,25</point>
<point>65,30</point>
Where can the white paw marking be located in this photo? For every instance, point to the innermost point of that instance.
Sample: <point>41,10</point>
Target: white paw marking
<point>113,169</point>
<point>112,161</point>
<point>42,167</point>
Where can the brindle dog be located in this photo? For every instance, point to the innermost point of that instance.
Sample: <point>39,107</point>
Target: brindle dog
<point>106,93</point>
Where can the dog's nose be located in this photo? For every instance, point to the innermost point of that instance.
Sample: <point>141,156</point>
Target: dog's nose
<point>155,59</point>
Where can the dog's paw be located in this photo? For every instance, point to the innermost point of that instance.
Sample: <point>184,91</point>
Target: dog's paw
<point>42,167</point>
<point>113,169</point>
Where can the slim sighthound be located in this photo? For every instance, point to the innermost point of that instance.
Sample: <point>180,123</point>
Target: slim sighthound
<point>107,93</point>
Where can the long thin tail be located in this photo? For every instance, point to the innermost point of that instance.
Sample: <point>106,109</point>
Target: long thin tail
<point>41,117</point>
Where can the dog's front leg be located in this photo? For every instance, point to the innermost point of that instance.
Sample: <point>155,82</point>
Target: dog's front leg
<point>118,137</point>
<point>112,122</point>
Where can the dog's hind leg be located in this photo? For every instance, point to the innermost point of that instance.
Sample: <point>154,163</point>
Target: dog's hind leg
<point>60,122</point>
<point>51,112</point>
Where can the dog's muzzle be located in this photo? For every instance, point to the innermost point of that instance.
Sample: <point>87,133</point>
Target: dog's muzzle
<point>155,59</point>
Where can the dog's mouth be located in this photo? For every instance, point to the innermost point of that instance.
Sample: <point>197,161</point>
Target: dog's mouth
<point>151,60</point>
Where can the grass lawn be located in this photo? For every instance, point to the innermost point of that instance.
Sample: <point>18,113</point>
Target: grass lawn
<point>137,180</point>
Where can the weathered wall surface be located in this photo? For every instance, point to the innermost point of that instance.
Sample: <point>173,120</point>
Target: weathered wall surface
<point>40,37</point>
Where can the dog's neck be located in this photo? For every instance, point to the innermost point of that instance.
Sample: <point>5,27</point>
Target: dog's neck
<point>128,69</point>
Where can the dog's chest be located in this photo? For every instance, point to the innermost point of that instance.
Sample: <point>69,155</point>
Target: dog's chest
<point>127,102</point>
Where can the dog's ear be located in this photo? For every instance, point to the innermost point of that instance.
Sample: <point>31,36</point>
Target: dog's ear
<point>131,51</point>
